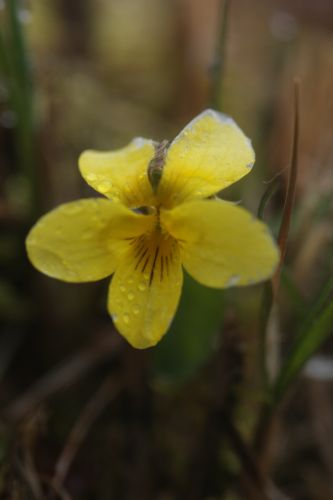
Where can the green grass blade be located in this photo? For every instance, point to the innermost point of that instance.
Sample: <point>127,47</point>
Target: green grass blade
<point>304,347</point>
<point>20,88</point>
<point>191,340</point>
<point>18,47</point>
<point>219,64</point>
<point>317,306</point>
<point>290,195</point>
<point>296,300</point>
<point>270,289</point>
<point>266,197</point>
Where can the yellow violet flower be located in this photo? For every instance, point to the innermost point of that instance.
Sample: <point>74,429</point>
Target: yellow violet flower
<point>156,218</point>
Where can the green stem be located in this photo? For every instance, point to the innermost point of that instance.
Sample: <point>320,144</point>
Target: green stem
<point>19,81</point>
<point>219,64</point>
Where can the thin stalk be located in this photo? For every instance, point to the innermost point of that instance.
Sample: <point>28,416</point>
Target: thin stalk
<point>290,195</point>
<point>19,82</point>
<point>270,289</point>
<point>219,63</point>
<point>318,305</point>
<point>266,418</point>
<point>270,191</point>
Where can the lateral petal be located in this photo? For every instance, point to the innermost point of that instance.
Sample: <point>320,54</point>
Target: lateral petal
<point>145,290</point>
<point>83,240</point>
<point>221,243</point>
<point>208,155</point>
<point>121,174</point>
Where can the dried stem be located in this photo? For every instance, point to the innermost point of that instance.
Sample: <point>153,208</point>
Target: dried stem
<point>290,195</point>
<point>218,67</point>
<point>264,488</point>
<point>63,376</point>
<point>107,391</point>
<point>267,419</point>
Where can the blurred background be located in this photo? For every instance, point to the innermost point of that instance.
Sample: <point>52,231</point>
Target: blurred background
<point>85,416</point>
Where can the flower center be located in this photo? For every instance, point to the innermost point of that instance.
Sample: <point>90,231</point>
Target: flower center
<point>154,252</point>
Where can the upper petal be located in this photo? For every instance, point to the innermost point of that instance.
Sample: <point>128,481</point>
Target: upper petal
<point>221,243</point>
<point>145,290</point>
<point>83,240</point>
<point>208,155</point>
<point>121,174</point>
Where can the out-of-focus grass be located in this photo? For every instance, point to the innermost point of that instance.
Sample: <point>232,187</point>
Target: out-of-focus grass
<point>78,75</point>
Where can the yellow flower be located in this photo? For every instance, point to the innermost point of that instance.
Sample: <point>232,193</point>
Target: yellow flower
<point>155,218</point>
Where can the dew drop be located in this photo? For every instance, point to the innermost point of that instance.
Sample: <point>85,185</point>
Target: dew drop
<point>130,281</point>
<point>91,177</point>
<point>142,287</point>
<point>130,296</point>
<point>233,280</point>
<point>122,288</point>
<point>146,276</point>
<point>136,310</point>
<point>114,318</point>
<point>126,319</point>
<point>104,186</point>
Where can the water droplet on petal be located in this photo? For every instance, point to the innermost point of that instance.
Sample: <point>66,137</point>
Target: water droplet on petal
<point>114,318</point>
<point>136,310</point>
<point>126,318</point>
<point>233,280</point>
<point>142,286</point>
<point>130,296</point>
<point>91,176</point>
<point>104,186</point>
<point>130,281</point>
<point>122,288</point>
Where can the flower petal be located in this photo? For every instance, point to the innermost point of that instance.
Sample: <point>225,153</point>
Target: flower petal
<point>145,290</point>
<point>208,155</point>
<point>82,240</point>
<point>222,244</point>
<point>121,174</point>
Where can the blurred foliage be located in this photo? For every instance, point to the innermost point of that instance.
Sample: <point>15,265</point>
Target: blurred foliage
<point>191,418</point>
<point>191,337</point>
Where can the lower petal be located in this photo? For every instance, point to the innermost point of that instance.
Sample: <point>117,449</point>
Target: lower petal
<point>145,290</point>
<point>83,240</point>
<point>221,243</point>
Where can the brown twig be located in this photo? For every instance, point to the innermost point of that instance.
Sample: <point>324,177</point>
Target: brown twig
<point>219,64</point>
<point>244,454</point>
<point>290,195</point>
<point>268,419</point>
<point>63,376</point>
<point>107,391</point>
<point>264,488</point>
